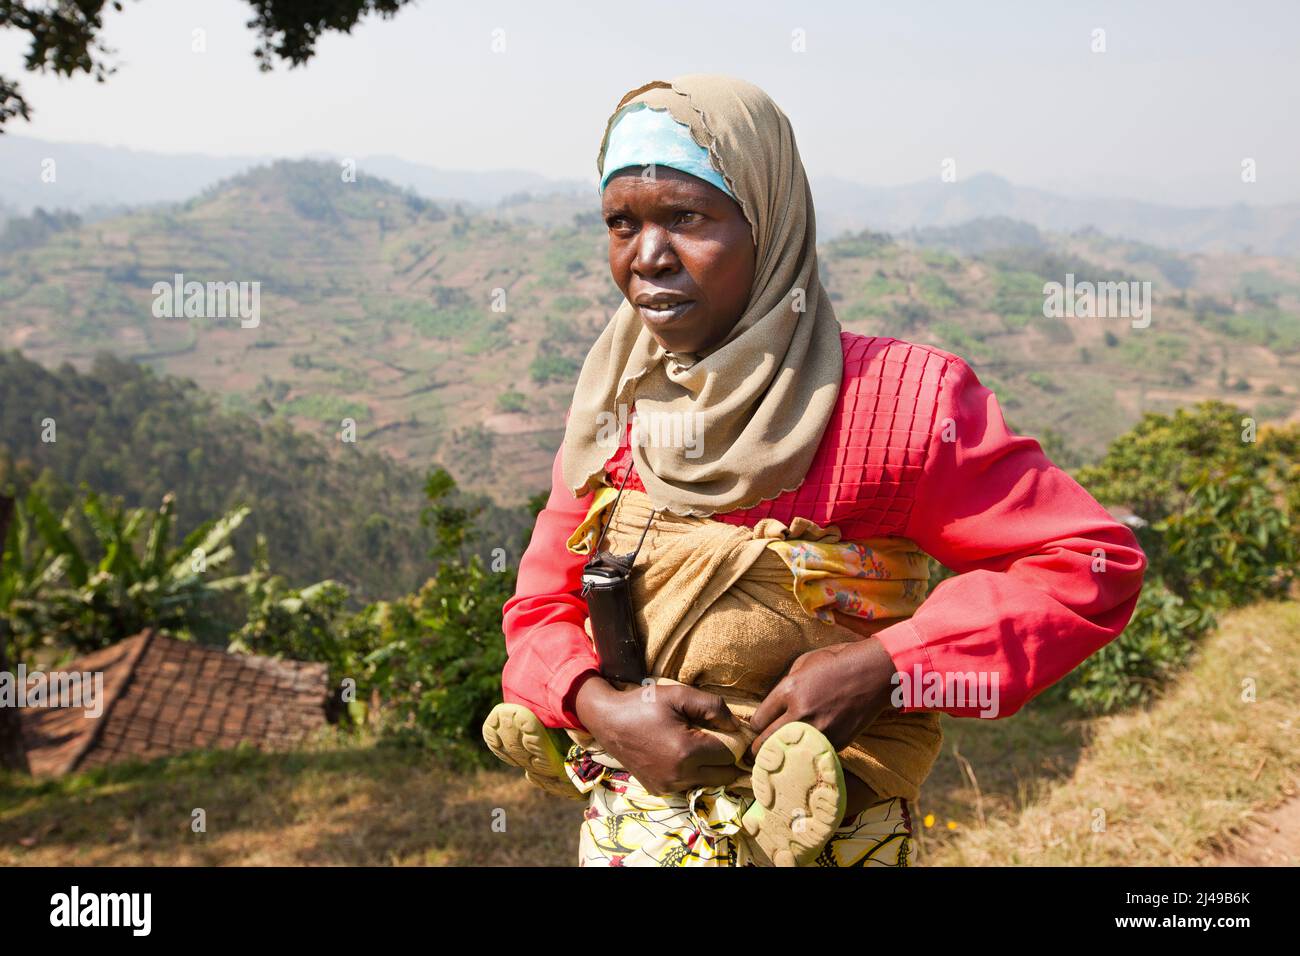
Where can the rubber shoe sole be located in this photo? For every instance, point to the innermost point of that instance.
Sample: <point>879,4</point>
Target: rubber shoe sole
<point>515,735</point>
<point>799,796</point>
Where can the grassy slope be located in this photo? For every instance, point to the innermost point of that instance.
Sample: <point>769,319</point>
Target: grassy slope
<point>1174,781</point>
<point>338,804</point>
<point>380,309</point>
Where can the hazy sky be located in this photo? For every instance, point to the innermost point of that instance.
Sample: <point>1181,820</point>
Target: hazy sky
<point>883,93</point>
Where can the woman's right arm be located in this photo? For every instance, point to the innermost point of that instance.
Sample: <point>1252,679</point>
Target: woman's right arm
<point>552,669</point>
<point>549,652</point>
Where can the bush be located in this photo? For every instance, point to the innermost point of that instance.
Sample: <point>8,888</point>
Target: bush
<point>302,624</point>
<point>1042,381</point>
<point>1152,467</point>
<point>1231,545</point>
<point>548,367</point>
<point>1133,667</point>
<point>431,660</point>
<point>439,652</point>
<point>512,401</point>
<point>1219,533</point>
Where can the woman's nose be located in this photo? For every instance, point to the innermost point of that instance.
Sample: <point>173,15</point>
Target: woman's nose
<point>654,253</point>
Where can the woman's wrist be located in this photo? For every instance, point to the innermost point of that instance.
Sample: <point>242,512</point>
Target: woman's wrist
<point>590,700</point>
<point>871,657</point>
<point>878,670</point>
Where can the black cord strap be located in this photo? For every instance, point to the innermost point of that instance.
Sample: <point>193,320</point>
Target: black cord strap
<point>627,473</point>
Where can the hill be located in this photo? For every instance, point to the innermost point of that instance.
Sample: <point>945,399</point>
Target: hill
<point>328,509</point>
<point>454,336</point>
<point>93,179</point>
<point>1177,784</point>
<point>850,206</point>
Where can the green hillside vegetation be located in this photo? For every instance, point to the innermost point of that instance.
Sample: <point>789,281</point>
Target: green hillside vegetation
<point>1220,499</point>
<point>424,666</point>
<point>454,338</point>
<point>327,508</point>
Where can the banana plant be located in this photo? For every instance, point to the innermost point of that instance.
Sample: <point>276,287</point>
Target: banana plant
<point>30,568</point>
<point>56,592</point>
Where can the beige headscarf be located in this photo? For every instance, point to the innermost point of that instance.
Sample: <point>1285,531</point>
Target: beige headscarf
<point>760,401</point>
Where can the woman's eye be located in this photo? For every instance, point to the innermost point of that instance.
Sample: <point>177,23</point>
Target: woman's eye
<point>617,224</point>
<point>686,218</point>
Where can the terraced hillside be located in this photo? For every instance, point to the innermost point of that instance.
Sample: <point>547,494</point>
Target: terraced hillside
<point>456,338</point>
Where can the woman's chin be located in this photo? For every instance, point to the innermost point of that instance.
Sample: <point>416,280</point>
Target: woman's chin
<point>675,345</point>
<point>677,333</point>
<point>675,324</point>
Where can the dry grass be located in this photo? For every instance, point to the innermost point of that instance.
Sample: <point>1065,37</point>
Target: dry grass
<point>1172,784</point>
<point>340,803</point>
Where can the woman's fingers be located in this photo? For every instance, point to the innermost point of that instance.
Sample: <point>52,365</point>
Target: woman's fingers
<point>715,776</point>
<point>696,760</point>
<point>776,724</point>
<point>704,710</point>
<point>768,709</point>
<point>699,748</point>
<point>769,715</point>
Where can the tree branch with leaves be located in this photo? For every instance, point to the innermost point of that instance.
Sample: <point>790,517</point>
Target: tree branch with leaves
<point>65,36</point>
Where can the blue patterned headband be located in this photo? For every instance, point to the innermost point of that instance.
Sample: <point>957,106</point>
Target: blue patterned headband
<point>644,137</point>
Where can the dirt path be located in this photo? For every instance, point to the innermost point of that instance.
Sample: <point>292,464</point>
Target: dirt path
<point>1274,840</point>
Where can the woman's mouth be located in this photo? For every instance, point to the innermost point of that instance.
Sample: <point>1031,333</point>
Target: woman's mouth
<point>663,312</point>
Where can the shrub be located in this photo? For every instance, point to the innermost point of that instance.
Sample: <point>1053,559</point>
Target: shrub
<point>512,401</point>
<point>1151,467</point>
<point>1219,533</point>
<point>1133,667</point>
<point>303,624</point>
<point>547,367</point>
<point>1231,545</point>
<point>439,652</point>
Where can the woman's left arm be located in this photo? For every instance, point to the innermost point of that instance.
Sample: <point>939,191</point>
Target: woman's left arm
<point>1045,576</point>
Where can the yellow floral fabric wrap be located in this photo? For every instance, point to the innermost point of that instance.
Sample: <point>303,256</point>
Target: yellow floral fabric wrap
<point>624,825</point>
<point>881,578</point>
<point>728,609</point>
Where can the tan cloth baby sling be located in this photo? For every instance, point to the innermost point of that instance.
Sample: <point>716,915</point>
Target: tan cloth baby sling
<point>715,607</point>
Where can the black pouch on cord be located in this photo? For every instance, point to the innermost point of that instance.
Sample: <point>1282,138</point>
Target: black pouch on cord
<point>608,592</point>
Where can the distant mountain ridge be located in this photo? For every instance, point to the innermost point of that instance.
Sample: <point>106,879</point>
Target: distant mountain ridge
<point>378,308</point>
<point>844,206</point>
<point>91,177</point>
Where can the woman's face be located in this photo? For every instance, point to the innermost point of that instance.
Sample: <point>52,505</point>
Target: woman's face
<point>682,253</point>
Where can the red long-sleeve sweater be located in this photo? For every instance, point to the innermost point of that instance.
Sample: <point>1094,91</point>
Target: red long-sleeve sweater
<point>918,448</point>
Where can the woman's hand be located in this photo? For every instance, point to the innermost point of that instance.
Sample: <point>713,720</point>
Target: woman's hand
<point>653,732</point>
<point>840,690</point>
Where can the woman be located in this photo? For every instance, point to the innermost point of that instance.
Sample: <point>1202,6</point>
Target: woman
<point>792,481</point>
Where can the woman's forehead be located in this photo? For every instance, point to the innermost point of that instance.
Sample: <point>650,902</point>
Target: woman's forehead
<point>660,184</point>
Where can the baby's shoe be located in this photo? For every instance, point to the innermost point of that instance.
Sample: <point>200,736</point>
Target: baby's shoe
<point>799,796</point>
<point>516,735</point>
